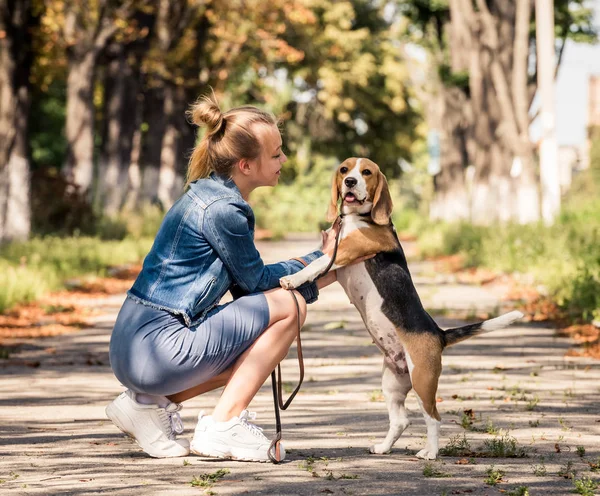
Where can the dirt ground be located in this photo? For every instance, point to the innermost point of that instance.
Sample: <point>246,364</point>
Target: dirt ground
<point>512,392</point>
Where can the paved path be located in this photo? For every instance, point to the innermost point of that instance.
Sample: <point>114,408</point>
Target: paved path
<point>54,438</point>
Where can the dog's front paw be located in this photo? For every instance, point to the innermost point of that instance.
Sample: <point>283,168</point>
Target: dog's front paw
<point>427,454</point>
<point>287,282</point>
<point>380,449</point>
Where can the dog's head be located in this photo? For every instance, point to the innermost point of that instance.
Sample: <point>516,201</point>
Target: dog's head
<point>362,187</point>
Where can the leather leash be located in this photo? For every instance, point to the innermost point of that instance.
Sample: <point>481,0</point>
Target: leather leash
<point>276,382</point>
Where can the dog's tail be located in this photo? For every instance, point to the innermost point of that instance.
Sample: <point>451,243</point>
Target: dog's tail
<point>458,334</point>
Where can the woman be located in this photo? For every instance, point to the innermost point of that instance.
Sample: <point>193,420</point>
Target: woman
<point>172,341</point>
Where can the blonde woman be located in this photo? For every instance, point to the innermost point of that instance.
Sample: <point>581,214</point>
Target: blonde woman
<point>172,340</point>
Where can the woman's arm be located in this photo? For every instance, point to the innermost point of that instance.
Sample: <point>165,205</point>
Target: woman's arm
<point>226,228</point>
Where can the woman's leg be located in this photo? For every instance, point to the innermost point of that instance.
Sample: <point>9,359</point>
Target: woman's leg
<point>243,380</point>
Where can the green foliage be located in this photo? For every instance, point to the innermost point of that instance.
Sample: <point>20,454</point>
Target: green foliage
<point>46,137</point>
<point>564,257</point>
<point>494,476</point>
<point>208,480</point>
<point>30,269</point>
<point>585,486</point>
<point>430,470</point>
<point>300,206</point>
<point>504,446</point>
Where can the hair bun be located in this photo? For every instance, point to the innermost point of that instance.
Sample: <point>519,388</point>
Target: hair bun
<point>206,112</point>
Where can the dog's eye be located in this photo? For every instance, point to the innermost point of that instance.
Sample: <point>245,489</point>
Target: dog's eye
<point>366,172</point>
<point>343,170</point>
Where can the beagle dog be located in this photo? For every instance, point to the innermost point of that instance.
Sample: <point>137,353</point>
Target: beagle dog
<point>382,290</point>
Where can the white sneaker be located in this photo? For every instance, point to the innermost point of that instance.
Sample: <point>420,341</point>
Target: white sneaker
<point>152,427</point>
<point>237,438</point>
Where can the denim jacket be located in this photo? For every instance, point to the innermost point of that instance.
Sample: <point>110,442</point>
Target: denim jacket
<point>205,247</point>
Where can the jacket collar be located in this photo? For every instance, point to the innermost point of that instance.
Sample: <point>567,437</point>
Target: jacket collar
<point>227,182</point>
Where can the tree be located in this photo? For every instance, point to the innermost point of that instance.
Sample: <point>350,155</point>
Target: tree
<point>483,50</point>
<point>18,20</point>
<point>87,28</point>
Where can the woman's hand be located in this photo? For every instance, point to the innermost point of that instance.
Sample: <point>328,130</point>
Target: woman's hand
<point>328,237</point>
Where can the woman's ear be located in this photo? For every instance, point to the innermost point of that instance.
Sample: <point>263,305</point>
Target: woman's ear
<point>332,211</point>
<point>382,202</point>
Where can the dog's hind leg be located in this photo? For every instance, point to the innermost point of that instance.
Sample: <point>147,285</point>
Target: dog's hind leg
<point>396,384</point>
<point>424,375</point>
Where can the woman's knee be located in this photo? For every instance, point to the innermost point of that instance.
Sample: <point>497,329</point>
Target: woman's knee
<point>283,307</point>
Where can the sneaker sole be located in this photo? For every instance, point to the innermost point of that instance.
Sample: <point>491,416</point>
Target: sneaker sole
<point>225,453</point>
<point>114,413</point>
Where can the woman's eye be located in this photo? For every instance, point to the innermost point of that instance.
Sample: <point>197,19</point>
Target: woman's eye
<point>366,172</point>
<point>343,170</point>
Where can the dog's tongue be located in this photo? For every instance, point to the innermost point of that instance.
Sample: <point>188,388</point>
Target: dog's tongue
<point>349,197</point>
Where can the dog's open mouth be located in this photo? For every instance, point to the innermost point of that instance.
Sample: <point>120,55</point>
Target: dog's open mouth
<point>350,198</point>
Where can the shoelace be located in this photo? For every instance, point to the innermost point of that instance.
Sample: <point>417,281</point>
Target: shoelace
<point>171,420</point>
<point>254,429</point>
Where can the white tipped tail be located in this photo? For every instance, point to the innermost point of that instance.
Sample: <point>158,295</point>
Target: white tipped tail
<point>458,334</point>
<point>501,322</point>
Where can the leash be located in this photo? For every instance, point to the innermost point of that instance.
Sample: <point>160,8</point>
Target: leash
<point>276,381</point>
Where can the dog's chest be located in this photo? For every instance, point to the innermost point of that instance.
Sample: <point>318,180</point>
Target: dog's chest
<point>364,296</point>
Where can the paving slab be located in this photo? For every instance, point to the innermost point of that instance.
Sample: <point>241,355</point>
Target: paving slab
<point>515,385</point>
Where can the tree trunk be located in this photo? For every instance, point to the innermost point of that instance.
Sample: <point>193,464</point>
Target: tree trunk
<point>121,97</point>
<point>451,199</point>
<point>79,125</point>
<point>151,145</point>
<point>169,152</point>
<point>17,23</point>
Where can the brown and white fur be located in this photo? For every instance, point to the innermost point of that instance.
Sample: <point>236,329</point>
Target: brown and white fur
<point>382,290</point>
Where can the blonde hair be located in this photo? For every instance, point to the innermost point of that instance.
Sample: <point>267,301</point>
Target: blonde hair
<point>229,137</point>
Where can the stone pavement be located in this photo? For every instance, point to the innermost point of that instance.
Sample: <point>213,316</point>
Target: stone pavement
<point>55,439</point>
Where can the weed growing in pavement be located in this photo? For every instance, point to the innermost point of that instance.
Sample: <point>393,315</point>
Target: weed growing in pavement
<point>581,451</point>
<point>540,469</point>
<point>585,486</point>
<point>494,476</point>
<point>595,466</point>
<point>208,480</point>
<point>457,446</point>
<point>519,491</point>
<point>532,403</point>
<point>504,446</point>
<point>429,470</point>
<point>567,471</point>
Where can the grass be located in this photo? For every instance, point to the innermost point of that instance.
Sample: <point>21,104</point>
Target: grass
<point>540,469</point>
<point>503,446</point>
<point>430,470</point>
<point>208,480</point>
<point>31,269</point>
<point>494,476</point>
<point>567,471</point>
<point>585,486</point>
<point>457,446</point>
<point>562,257</point>
<point>519,491</point>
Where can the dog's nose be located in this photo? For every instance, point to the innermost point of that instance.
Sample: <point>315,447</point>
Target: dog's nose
<point>350,182</point>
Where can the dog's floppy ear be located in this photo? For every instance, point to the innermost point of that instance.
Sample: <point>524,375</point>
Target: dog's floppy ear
<point>382,202</point>
<point>332,211</point>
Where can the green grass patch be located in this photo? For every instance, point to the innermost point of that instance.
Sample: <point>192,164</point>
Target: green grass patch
<point>563,257</point>
<point>31,269</point>
<point>208,480</point>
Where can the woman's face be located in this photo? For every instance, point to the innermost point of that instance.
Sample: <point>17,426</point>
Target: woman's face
<point>268,164</point>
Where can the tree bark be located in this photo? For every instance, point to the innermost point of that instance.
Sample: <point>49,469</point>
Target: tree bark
<point>121,90</point>
<point>80,113</point>
<point>17,22</point>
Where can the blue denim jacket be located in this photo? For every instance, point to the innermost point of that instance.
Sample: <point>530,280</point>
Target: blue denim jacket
<point>205,247</point>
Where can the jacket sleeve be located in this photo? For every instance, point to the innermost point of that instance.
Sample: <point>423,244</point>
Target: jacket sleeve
<point>227,229</point>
